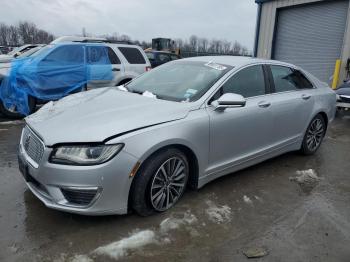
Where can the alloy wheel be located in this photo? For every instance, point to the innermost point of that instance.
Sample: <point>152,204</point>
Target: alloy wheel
<point>315,134</point>
<point>168,184</point>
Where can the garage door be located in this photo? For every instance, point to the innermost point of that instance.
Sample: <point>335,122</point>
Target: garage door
<point>311,36</point>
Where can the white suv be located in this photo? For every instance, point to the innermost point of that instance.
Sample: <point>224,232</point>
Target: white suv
<point>68,65</point>
<point>128,60</point>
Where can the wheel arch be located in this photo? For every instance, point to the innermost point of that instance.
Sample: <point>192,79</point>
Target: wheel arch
<point>192,161</point>
<point>324,116</point>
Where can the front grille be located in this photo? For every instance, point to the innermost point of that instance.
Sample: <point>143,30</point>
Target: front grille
<point>32,145</point>
<point>81,197</point>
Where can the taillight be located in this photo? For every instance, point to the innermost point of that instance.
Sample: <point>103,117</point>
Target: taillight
<point>148,68</point>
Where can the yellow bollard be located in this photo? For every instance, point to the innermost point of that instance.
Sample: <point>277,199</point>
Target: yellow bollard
<point>336,74</point>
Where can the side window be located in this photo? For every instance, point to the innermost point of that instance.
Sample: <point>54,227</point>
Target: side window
<point>248,82</point>
<point>302,81</point>
<point>73,54</point>
<point>97,55</point>
<point>113,57</point>
<point>286,79</point>
<point>163,58</point>
<point>132,55</point>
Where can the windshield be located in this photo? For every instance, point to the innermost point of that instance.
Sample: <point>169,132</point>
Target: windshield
<point>179,81</point>
<point>42,50</point>
<point>30,52</point>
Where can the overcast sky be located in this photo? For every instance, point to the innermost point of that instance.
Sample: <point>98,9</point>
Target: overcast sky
<point>140,19</point>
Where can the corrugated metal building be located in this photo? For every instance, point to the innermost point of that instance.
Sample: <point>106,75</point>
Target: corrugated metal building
<point>308,33</point>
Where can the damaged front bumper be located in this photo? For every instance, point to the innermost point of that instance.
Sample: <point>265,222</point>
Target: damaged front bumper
<point>88,190</point>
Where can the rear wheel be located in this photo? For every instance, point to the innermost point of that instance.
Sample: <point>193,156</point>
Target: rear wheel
<point>314,135</point>
<point>160,183</point>
<point>13,113</point>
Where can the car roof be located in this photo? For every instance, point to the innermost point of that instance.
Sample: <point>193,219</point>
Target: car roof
<point>235,61</point>
<point>160,52</point>
<point>94,44</point>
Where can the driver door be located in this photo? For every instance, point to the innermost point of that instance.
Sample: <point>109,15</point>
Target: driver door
<point>240,134</point>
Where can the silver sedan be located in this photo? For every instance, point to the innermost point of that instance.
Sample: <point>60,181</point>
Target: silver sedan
<point>139,146</point>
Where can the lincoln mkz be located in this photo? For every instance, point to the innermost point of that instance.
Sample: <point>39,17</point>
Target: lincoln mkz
<point>140,145</point>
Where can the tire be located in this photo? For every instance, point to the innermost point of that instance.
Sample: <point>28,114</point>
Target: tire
<point>149,194</point>
<point>314,135</point>
<point>15,115</point>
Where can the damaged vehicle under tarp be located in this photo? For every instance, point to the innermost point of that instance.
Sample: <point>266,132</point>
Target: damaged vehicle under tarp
<point>51,73</point>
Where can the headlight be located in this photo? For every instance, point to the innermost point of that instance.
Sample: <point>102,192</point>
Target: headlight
<point>84,154</point>
<point>338,97</point>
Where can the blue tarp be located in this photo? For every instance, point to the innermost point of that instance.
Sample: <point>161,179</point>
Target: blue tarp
<point>54,72</point>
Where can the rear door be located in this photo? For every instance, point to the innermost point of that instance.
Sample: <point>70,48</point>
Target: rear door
<point>292,102</point>
<point>103,66</point>
<point>237,134</point>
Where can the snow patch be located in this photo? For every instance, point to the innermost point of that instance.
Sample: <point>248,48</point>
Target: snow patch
<point>258,198</point>
<point>218,214</point>
<point>247,200</point>
<point>124,246</point>
<point>169,224</point>
<point>122,88</point>
<point>305,176</point>
<point>81,258</point>
<point>307,179</point>
<point>149,94</point>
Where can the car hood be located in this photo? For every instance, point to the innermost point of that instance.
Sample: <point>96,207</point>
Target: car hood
<point>344,90</point>
<point>98,114</point>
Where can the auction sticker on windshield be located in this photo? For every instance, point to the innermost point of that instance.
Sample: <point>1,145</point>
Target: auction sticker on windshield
<point>215,66</point>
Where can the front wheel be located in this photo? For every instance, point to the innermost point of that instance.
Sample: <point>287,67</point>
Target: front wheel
<point>314,135</point>
<point>160,183</point>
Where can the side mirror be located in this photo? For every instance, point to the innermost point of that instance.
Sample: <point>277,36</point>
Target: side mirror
<point>229,100</point>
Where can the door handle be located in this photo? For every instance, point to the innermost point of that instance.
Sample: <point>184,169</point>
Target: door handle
<point>305,96</point>
<point>115,69</point>
<point>264,104</point>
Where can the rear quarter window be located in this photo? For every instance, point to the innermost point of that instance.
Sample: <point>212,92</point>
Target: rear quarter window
<point>288,79</point>
<point>132,55</point>
<point>302,81</point>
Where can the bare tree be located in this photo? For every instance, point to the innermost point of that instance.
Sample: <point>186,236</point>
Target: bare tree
<point>237,48</point>
<point>125,38</point>
<point>14,38</point>
<point>83,32</point>
<point>3,34</point>
<point>203,44</point>
<point>226,45</point>
<point>179,43</point>
<point>244,51</point>
<point>193,42</point>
